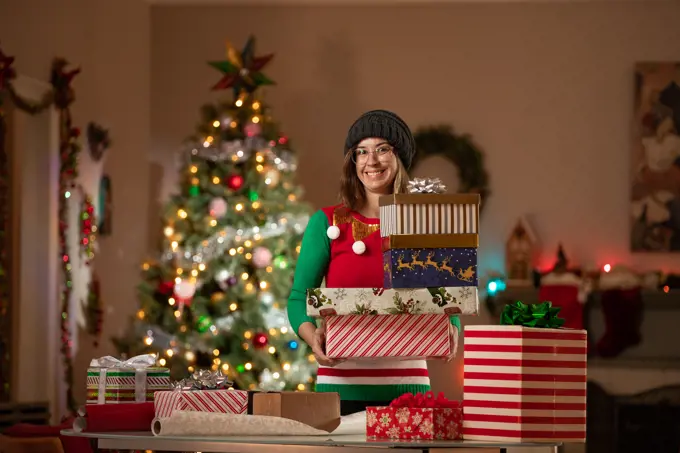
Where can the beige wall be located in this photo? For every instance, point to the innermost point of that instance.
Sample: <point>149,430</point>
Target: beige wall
<point>546,89</point>
<point>110,41</point>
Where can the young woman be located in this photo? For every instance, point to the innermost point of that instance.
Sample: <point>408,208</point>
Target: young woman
<point>342,245</point>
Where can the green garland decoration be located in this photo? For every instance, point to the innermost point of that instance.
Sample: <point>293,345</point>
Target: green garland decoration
<point>61,96</point>
<point>459,149</point>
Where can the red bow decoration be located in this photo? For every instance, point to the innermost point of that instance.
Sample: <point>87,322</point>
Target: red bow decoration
<point>424,400</point>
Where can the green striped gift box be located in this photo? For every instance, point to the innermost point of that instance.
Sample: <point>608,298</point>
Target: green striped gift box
<point>125,385</point>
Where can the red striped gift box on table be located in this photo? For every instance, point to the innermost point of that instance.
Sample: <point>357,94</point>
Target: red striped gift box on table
<point>224,401</point>
<point>524,384</point>
<point>403,336</point>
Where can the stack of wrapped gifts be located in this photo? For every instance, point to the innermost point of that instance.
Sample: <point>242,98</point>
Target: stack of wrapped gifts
<point>429,247</point>
<point>136,395</point>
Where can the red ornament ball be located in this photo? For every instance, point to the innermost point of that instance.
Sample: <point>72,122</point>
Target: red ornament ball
<point>235,182</point>
<point>260,340</point>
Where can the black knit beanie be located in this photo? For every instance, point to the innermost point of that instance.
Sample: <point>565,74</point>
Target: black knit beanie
<point>386,125</point>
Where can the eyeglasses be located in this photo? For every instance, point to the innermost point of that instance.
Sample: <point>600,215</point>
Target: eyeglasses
<point>383,153</point>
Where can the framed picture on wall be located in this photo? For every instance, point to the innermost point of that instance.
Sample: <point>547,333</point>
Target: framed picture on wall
<point>655,183</point>
<point>105,206</point>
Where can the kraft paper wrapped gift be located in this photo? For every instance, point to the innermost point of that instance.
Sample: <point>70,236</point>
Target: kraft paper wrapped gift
<point>110,380</point>
<point>379,301</point>
<point>318,410</point>
<point>525,380</point>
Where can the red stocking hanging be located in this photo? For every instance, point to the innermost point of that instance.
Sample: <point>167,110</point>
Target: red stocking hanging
<point>622,309</point>
<point>564,291</point>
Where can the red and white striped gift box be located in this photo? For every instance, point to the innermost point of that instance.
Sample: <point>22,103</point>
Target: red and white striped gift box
<point>403,336</point>
<point>524,384</point>
<point>224,401</point>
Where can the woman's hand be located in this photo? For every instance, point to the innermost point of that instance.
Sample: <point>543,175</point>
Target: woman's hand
<point>454,343</point>
<point>315,337</point>
<point>453,333</point>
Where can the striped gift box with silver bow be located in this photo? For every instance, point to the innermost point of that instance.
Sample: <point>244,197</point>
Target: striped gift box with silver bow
<point>125,385</point>
<point>223,401</point>
<point>429,214</point>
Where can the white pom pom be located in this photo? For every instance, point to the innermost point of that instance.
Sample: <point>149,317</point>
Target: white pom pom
<point>333,232</point>
<point>359,247</point>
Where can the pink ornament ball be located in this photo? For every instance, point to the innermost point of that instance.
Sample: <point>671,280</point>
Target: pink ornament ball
<point>252,129</point>
<point>262,257</point>
<point>218,207</point>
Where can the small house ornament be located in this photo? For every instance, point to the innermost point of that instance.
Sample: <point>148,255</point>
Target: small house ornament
<point>520,250</point>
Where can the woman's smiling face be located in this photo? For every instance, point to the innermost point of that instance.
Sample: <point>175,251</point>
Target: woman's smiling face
<point>376,165</point>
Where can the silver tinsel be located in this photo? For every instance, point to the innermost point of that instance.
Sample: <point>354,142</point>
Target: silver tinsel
<point>241,150</point>
<point>163,340</point>
<point>203,380</point>
<point>234,150</point>
<point>276,318</point>
<point>285,161</point>
<point>223,240</point>
<point>426,185</point>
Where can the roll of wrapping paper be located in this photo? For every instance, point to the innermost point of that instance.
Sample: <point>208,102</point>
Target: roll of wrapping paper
<point>115,417</point>
<point>189,423</point>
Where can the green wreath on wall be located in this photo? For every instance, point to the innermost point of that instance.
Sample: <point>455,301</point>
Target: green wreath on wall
<point>461,151</point>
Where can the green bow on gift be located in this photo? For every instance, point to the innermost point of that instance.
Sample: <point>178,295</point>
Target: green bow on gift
<point>534,315</point>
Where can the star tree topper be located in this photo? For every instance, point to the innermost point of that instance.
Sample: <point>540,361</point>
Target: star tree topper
<point>242,71</point>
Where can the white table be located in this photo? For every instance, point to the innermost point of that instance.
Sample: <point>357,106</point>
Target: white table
<point>291,444</point>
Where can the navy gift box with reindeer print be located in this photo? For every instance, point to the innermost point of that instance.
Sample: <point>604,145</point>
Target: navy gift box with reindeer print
<point>430,267</point>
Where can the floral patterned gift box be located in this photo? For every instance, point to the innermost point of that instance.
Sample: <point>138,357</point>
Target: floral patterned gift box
<point>416,417</point>
<point>380,301</point>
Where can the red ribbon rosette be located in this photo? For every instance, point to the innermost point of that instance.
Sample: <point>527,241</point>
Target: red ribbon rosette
<point>424,400</point>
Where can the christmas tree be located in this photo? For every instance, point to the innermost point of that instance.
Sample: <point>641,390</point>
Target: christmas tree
<point>216,298</point>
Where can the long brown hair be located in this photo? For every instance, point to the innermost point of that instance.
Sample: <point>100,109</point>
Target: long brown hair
<point>352,192</point>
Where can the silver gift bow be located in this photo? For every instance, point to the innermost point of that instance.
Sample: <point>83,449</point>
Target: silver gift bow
<point>426,185</point>
<point>203,380</point>
<point>139,363</point>
<point>136,362</point>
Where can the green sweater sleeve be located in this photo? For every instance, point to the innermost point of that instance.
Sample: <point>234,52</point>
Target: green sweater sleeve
<point>310,269</point>
<point>455,320</point>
